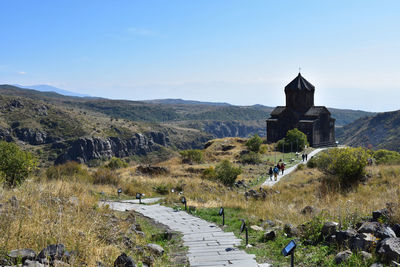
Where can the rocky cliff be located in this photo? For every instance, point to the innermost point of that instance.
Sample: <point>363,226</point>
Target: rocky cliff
<point>85,149</point>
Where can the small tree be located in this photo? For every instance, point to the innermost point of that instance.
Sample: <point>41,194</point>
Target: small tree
<point>15,164</point>
<point>254,143</point>
<point>227,173</point>
<point>294,139</point>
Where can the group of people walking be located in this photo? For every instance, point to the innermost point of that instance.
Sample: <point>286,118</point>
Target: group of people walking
<point>275,171</point>
<point>304,156</point>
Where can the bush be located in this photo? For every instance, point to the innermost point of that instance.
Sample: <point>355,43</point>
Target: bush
<point>312,162</point>
<point>254,143</point>
<point>226,173</point>
<point>348,164</point>
<point>209,173</point>
<point>295,140</point>
<point>116,163</point>
<point>15,165</point>
<point>250,158</point>
<point>191,156</point>
<point>384,156</point>
<point>105,176</point>
<point>70,170</point>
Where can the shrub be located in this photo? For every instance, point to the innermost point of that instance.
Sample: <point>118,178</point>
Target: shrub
<point>15,165</point>
<point>226,173</point>
<point>191,156</point>
<point>209,173</point>
<point>116,163</point>
<point>254,143</point>
<point>312,162</point>
<point>250,158</point>
<point>384,156</point>
<point>105,176</point>
<point>295,140</point>
<point>70,170</point>
<point>348,164</point>
<point>311,230</point>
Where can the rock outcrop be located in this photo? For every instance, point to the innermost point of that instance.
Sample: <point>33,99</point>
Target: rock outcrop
<point>5,134</point>
<point>85,149</point>
<point>33,136</point>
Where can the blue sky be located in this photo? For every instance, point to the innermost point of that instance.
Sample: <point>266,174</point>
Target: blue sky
<point>241,52</point>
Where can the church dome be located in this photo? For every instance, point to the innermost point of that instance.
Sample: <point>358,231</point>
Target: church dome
<point>299,84</point>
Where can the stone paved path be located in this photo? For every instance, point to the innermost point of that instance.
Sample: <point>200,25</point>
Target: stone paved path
<point>268,182</point>
<point>208,244</point>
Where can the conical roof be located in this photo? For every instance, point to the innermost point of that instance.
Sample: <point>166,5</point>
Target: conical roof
<point>299,83</point>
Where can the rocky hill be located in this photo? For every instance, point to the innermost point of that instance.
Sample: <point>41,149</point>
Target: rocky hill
<point>61,128</point>
<point>376,132</point>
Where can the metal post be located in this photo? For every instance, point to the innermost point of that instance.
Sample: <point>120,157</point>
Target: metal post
<point>292,259</point>
<point>247,237</point>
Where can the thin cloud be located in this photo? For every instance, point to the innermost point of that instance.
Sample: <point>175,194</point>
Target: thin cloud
<point>22,72</point>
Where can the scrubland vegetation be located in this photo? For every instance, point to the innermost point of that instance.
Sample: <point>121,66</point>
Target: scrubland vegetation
<point>61,203</point>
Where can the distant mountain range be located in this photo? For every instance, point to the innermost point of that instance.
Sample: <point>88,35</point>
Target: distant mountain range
<point>49,88</point>
<point>60,124</point>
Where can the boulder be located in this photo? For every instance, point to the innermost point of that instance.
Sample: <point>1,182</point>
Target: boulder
<point>29,263</point>
<point>329,228</point>
<point>155,249</point>
<point>396,229</point>
<point>52,252</point>
<point>343,236</point>
<point>382,213</point>
<point>366,256</point>
<point>268,236</point>
<point>375,228</point>
<point>149,260</point>
<point>376,264</point>
<point>152,170</point>
<point>369,227</point>
<point>290,230</point>
<point>342,256</point>
<point>22,254</point>
<point>124,260</point>
<point>362,241</point>
<point>256,228</point>
<point>389,249</point>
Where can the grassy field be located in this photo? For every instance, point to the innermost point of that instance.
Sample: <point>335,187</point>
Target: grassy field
<point>53,211</point>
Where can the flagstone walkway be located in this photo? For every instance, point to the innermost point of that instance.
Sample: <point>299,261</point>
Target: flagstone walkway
<point>207,244</point>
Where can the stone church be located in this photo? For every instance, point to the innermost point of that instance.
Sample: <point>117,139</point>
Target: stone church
<point>300,113</point>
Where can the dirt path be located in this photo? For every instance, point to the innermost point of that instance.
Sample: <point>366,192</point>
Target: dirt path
<point>208,244</point>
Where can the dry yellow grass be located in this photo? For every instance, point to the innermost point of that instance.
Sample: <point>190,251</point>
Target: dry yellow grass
<point>66,212</point>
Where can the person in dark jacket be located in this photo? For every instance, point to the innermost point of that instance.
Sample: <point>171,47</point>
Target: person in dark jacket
<point>270,172</point>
